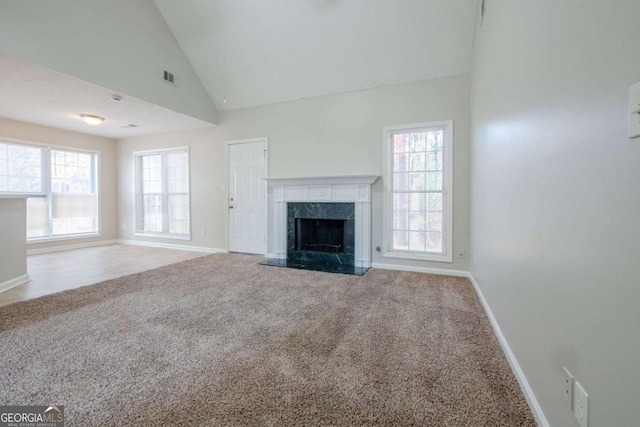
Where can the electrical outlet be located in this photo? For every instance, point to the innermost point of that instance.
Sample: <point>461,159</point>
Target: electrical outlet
<point>202,232</point>
<point>580,405</point>
<point>634,111</point>
<point>568,388</point>
<point>461,254</point>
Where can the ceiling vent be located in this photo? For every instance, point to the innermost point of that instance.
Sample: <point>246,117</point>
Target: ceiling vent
<point>130,126</point>
<point>170,78</point>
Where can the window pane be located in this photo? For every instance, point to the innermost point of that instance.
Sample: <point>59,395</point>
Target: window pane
<point>74,213</point>
<point>401,220</point>
<point>152,174</point>
<point>417,141</point>
<point>20,168</point>
<point>417,201</point>
<point>434,201</point>
<point>68,176</point>
<point>179,214</point>
<point>417,221</point>
<point>63,226</point>
<point>34,185</point>
<point>401,240</point>
<point>417,181</point>
<point>434,221</point>
<point>177,159</point>
<point>37,217</point>
<point>401,162</point>
<point>434,181</point>
<point>401,201</point>
<point>401,143</point>
<point>417,241</point>
<point>178,186</point>
<point>434,242</point>
<point>434,161</point>
<point>152,213</point>
<point>84,160</point>
<point>401,181</point>
<point>17,184</point>
<point>177,171</point>
<point>435,140</point>
<point>417,162</point>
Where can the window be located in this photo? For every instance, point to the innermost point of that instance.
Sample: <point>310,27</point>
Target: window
<point>162,193</point>
<point>61,183</point>
<point>418,177</point>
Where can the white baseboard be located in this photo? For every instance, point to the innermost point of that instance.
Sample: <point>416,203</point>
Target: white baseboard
<point>441,271</point>
<point>172,246</point>
<point>515,366</point>
<point>17,281</point>
<point>69,247</point>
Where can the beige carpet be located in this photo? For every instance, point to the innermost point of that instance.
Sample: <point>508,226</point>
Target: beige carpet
<point>219,340</point>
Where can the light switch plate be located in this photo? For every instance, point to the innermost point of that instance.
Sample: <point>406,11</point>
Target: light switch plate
<point>568,388</point>
<point>634,111</point>
<point>580,405</point>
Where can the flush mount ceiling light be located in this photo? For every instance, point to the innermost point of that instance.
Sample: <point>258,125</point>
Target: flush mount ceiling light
<point>92,120</point>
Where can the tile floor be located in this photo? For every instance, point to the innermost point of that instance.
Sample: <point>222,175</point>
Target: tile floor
<point>57,271</point>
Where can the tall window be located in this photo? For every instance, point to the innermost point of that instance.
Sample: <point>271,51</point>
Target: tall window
<point>162,193</point>
<point>418,198</point>
<point>61,185</point>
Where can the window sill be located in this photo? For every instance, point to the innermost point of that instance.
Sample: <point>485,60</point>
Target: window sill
<point>19,195</point>
<point>165,236</point>
<point>35,240</point>
<point>419,256</point>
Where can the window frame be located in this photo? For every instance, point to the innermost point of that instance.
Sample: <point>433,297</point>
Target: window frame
<point>46,188</point>
<point>137,182</point>
<point>447,194</point>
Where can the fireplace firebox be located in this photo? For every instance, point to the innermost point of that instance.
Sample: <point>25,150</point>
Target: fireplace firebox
<point>320,235</point>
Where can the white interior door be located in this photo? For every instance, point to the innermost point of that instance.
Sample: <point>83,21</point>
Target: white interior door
<point>247,197</point>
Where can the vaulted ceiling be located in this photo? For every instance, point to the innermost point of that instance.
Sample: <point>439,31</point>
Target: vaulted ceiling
<point>253,52</point>
<point>259,52</point>
<point>31,93</point>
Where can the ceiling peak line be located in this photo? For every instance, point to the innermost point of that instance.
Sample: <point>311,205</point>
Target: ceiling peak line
<point>224,55</point>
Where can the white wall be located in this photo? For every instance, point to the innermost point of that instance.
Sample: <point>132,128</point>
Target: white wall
<point>328,135</point>
<point>121,45</point>
<point>13,228</point>
<point>28,132</point>
<point>555,199</point>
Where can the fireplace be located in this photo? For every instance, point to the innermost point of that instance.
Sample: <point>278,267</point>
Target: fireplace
<point>321,223</point>
<point>321,233</point>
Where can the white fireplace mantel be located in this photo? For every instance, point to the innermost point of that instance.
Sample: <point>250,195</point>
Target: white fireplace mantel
<point>330,180</point>
<point>330,189</point>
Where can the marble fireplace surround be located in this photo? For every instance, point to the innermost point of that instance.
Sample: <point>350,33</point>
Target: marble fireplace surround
<point>354,189</point>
